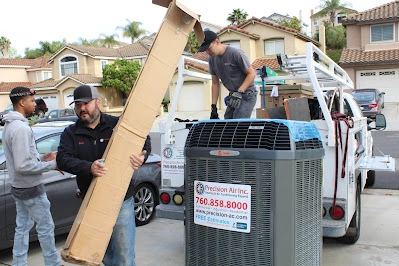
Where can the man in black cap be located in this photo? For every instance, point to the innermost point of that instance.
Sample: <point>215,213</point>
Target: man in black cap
<point>25,166</point>
<point>82,146</point>
<point>233,68</point>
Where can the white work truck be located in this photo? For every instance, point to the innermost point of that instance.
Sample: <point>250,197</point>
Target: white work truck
<point>349,162</point>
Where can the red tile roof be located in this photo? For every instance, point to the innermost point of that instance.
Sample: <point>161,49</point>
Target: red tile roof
<point>131,50</point>
<point>355,57</point>
<point>8,86</point>
<point>272,63</point>
<point>40,62</point>
<point>230,28</point>
<point>383,13</point>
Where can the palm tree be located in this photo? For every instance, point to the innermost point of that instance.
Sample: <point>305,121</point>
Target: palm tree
<point>108,41</point>
<point>331,8</point>
<point>237,16</point>
<point>84,41</point>
<point>132,30</point>
<point>5,45</point>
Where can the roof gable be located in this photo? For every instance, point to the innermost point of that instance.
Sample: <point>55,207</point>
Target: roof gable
<point>132,50</point>
<point>294,32</point>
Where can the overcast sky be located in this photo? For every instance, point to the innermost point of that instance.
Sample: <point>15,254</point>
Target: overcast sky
<point>27,22</point>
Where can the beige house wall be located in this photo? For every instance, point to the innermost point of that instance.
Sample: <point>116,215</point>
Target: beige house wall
<point>113,96</point>
<point>32,76</point>
<point>354,42</point>
<point>4,100</point>
<point>13,74</point>
<point>360,39</point>
<point>206,89</point>
<point>265,32</point>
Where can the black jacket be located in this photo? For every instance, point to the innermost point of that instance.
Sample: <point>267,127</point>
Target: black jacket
<point>80,146</point>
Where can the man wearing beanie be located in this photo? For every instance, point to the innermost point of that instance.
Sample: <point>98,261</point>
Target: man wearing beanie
<point>233,68</point>
<point>25,167</point>
<point>82,146</point>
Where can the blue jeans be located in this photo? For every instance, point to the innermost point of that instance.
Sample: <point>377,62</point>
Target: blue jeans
<point>246,107</point>
<point>120,250</point>
<point>35,210</point>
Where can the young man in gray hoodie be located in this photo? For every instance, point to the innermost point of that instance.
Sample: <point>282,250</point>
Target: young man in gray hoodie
<point>25,166</point>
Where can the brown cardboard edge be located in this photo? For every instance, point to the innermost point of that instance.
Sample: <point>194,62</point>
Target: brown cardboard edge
<point>67,258</point>
<point>199,33</point>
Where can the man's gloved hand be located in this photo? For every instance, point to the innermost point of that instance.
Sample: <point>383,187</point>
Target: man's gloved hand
<point>235,99</point>
<point>214,113</point>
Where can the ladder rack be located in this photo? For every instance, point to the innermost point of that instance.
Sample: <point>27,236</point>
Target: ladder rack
<point>317,70</point>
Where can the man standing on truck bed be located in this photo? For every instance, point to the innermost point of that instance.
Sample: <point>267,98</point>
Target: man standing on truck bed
<point>233,68</point>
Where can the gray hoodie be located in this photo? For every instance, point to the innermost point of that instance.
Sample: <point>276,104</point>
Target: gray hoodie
<point>24,164</point>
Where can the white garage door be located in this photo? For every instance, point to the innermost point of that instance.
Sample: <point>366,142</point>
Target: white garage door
<point>386,80</point>
<point>68,98</point>
<point>191,97</point>
<point>51,101</point>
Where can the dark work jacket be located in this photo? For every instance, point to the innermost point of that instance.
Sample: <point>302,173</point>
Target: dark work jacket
<point>80,146</point>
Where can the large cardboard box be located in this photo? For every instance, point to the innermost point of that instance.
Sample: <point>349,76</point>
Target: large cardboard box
<point>284,92</point>
<point>92,229</point>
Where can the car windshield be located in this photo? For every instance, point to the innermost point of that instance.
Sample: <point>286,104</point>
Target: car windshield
<point>364,96</point>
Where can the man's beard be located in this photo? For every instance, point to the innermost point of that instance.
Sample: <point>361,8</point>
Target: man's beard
<point>92,117</point>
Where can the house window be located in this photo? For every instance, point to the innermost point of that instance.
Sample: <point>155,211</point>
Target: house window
<point>235,44</point>
<point>340,18</point>
<point>315,22</point>
<point>381,33</point>
<point>68,65</point>
<point>43,75</point>
<point>103,64</point>
<point>47,74</point>
<point>274,46</point>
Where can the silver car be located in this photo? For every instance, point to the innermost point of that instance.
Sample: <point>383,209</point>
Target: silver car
<point>61,189</point>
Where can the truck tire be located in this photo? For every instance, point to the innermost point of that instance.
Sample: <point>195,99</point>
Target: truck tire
<point>353,232</point>
<point>370,178</point>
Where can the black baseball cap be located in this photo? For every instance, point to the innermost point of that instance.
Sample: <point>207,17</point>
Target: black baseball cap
<point>21,92</point>
<point>84,93</point>
<point>210,36</point>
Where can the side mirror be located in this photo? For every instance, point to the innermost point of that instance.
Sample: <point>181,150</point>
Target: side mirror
<point>380,123</point>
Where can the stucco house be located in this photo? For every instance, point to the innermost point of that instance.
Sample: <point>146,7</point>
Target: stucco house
<point>371,56</point>
<point>75,65</point>
<point>21,72</point>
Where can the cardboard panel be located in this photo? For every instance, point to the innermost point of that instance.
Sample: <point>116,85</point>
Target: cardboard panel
<point>92,229</point>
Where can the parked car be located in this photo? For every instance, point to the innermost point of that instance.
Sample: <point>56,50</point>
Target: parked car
<point>62,114</point>
<point>61,189</point>
<point>40,109</point>
<point>370,101</point>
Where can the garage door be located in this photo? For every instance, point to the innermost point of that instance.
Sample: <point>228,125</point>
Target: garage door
<point>386,80</point>
<point>51,101</point>
<point>192,97</point>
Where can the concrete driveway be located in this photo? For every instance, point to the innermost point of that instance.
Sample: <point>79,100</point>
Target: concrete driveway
<point>162,241</point>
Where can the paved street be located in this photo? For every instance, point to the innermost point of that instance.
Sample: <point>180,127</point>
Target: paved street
<point>162,241</point>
